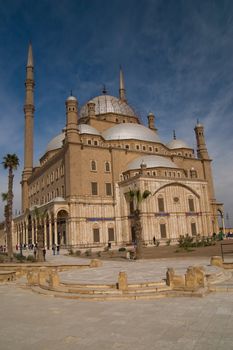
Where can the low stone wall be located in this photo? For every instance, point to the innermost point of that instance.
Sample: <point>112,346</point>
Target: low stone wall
<point>193,279</point>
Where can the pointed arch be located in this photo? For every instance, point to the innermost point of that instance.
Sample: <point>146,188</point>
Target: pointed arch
<point>177,184</point>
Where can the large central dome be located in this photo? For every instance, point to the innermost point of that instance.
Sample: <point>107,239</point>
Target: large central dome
<point>108,104</point>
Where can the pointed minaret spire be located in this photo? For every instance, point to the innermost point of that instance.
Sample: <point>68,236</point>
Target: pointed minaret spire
<point>174,134</point>
<point>122,92</point>
<point>30,57</point>
<point>28,133</point>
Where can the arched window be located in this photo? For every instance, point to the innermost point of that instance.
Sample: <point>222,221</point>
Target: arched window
<point>191,204</point>
<point>93,165</point>
<point>107,167</point>
<point>193,229</point>
<point>96,235</point>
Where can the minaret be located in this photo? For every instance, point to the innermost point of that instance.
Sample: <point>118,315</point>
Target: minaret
<point>72,134</point>
<point>151,121</point>
<point>202,152</point>
<point>28,131</point>
<point>122,92</point>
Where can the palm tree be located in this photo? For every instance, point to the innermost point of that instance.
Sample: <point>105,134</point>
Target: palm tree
<point>10,162</point>
<point>136,197</point>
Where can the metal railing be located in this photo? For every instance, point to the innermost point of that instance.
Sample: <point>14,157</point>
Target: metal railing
<point>226,249</point>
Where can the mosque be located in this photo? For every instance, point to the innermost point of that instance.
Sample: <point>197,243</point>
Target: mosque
<point>82,180</point>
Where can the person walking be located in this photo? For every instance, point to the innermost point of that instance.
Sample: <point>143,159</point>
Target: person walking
<point>58,249</point>
<point>44,253</point>
<point>54,248</point>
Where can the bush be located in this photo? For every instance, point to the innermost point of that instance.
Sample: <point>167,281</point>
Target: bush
<point>70,251</point>
<point>106,249</point>
<point>31,258</point>
<point>77,252</point>
<point>185,242</point>
<point>122,249</point>
<point>168,242</point>
<point>19,257</point>
<point>88,252</point>
<point>99,254</point>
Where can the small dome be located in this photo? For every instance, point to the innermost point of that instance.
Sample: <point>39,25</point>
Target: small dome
<point>130,131</point>
<point>173,144</point>
<point>151,162</point>
<point>71,98</point>
<point>108,104</point>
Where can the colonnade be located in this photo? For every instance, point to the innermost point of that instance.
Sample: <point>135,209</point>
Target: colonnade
<point>55,230</point>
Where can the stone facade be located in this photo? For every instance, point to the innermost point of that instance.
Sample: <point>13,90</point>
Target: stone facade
<point>81,183</point>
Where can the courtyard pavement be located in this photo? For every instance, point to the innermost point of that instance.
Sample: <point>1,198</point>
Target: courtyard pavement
<point>32,321</point>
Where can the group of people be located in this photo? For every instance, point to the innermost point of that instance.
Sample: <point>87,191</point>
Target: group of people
<point>56,248</point>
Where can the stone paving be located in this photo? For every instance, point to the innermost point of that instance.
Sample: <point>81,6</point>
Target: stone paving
<point>31,321</point>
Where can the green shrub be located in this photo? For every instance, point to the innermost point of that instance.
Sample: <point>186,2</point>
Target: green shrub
<point>157,243</point>
<point>99,254</point>
<point>185,242</point>
<point>122,249</point>
<point>106,249</point>
<point>88,252</point>
<point>19,257</point>
<point>77,252</point>
<point>168,242</point>
<point>31,258</point>
<point>70,251</point>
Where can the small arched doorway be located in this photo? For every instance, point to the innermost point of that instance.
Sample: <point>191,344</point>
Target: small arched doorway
<point>62,217</point>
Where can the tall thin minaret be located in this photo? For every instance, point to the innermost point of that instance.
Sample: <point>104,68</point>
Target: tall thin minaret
<point>122,92</point>
<point>202,151</point>
<point>28,131</point>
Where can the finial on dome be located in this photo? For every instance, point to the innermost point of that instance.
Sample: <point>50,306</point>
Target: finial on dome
<point>122,92</point>
<point>30,56</point>
<point>71,93</point>
<point>104,91</point>
<point>174,134</point>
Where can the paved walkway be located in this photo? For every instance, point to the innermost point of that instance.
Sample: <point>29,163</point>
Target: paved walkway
<point>31,321</point>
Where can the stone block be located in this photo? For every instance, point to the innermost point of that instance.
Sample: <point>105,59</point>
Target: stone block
<point>122,281</point>
<point>32,278</point>
<point>43,277</point>
<point>174,281</point>
<point>54,280</point>
<point>191,280</point>
<point>169,276</point>
<point>216,261</point>
<point>200,275</point>
<point>96,263</point>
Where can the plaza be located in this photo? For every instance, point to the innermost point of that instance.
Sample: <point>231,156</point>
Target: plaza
<point>43,322</point>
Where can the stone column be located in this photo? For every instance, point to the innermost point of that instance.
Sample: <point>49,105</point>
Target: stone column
<point>50,233</point>
<point>55,231</point>
<point>45,234</point>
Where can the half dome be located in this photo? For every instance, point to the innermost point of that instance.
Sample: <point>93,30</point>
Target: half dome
<point>130,131</point>
<point>177,144</point>
<point>57,141</point>
<point>108,104</point>
<point>151,162</point>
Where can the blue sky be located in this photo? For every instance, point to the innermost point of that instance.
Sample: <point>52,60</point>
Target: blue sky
<point>177,58</point>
